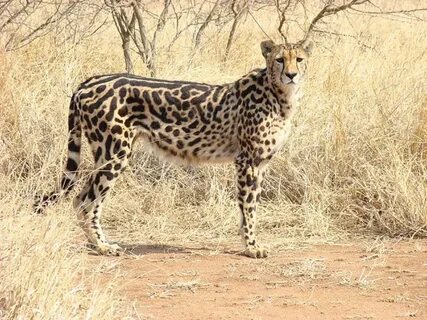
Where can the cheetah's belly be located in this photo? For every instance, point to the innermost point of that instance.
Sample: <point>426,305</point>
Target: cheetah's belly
<point>196,150</point>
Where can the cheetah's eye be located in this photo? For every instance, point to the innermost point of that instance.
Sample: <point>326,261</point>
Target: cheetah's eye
<point>280,60</point>
<point>299,59</point>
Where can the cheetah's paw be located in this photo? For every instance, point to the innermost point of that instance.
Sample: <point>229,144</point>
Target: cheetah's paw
<point>256,252</point>
<point>109,249</point>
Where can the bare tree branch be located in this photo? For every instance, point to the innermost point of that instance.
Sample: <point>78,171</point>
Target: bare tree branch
<point>22,22</point>
<point>202,28</point>
<point>160,25</point>
<point>331,9</point>
<point>239,10</point>
<point>281,11</point>
<point>391,12</point>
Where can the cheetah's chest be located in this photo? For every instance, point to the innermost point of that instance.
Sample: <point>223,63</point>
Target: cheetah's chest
<point>279,133</point>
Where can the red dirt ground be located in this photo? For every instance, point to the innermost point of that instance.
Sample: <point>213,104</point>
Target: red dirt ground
<point>387,280</point>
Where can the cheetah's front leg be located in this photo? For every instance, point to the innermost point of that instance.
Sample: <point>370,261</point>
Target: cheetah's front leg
<point>249,178</point>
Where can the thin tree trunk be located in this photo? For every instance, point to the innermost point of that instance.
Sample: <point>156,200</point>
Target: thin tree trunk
<point>231,36</point>
<point>204,25</point>
<point>126,54</point>
<point>146,50</point>
<point>124,27</point>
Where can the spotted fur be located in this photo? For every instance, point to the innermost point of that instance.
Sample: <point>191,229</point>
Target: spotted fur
<point>246,122</point>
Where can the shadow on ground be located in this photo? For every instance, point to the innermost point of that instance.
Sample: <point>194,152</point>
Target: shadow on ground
<point>143,249</point>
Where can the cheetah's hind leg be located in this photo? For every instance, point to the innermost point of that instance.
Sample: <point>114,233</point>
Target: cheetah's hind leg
<point>89,202</point>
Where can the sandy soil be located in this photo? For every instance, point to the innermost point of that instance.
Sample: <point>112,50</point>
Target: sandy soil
<point>379,280</point>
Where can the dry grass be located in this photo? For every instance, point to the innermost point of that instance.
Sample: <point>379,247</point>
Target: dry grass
<point>356,162</point>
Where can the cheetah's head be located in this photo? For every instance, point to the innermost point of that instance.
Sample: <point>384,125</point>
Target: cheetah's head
<point>286,63</point>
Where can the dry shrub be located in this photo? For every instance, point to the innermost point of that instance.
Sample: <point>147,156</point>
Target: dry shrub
<point>45,275</point>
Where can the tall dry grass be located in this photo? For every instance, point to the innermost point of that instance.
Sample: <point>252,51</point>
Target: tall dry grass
<point>355,164</point>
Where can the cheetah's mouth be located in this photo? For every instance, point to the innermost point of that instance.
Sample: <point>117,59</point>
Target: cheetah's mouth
<point>288,82</point>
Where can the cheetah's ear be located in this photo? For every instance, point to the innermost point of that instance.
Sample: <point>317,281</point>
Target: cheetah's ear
<point>307,45</point>
<point>266,47</point>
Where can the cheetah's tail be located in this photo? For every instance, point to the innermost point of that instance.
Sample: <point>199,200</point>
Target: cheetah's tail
<point>69,177</point>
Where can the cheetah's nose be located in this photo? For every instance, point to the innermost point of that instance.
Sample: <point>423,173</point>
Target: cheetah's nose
<point>290,75</point>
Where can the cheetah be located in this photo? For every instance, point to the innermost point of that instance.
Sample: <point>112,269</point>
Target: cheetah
<point>247,122</point>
